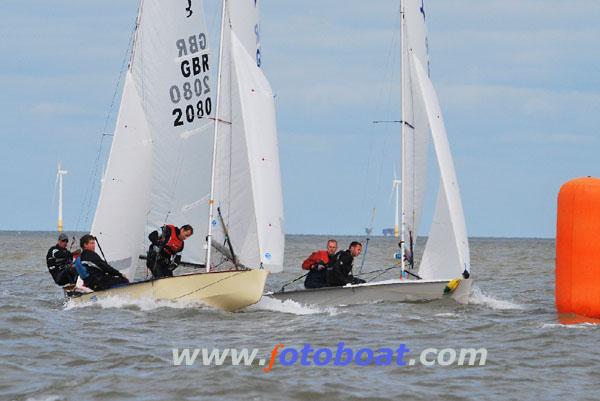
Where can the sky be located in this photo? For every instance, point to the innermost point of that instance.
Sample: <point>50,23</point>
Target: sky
<point>518,81</point>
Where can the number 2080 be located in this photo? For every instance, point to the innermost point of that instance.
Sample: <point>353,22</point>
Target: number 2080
<point>199,110</point>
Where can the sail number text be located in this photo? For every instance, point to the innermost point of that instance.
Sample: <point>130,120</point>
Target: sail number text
<point>192,96</point>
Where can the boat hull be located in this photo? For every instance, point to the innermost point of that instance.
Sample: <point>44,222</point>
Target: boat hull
<point>229,290</point>
<point>396,291</point>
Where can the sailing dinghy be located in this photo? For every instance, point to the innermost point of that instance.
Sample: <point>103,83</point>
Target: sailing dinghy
<point>444,269</point>
<point>180,156</point>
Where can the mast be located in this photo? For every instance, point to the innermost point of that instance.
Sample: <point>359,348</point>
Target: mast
<point>403,118</point>
<point>59,175</point>
<point>211,200</point>
<point>396,186</point>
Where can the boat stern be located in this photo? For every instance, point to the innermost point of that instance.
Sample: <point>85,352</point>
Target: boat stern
<point>462,292</point>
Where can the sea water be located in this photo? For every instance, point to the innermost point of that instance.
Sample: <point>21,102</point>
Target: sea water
<point>119,349</point>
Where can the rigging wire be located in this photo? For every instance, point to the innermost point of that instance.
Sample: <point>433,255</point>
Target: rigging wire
<point>384,92</point>
<point>389,76</point>
<point>84,211</point>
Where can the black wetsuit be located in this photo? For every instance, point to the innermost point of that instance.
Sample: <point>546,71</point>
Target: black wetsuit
<point>101,275</point>
<point>317,275</point>
<point>340,273</point>
<point>158,260</point>
<point>59,262</point>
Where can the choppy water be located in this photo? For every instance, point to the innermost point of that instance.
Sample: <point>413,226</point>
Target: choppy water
<point>117,351</point>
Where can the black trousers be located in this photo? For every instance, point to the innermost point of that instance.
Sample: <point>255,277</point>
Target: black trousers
<point>161,269</point>
<point>99,282</point>
<point>315,279</point>
<point>158,264</point>
<point>63,275</point>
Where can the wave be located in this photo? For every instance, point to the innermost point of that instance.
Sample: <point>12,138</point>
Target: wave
<point>477,297</point>
<point>288,306</point>
<point>149,304</point>
<point>144,304</point>
<point>585,325</point>
<point>48,398</point>
<point>448,314</point>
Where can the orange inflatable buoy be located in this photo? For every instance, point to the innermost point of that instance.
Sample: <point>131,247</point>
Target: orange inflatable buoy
<point>578,248</point>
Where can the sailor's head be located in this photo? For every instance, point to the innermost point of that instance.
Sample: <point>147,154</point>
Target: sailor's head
<point>331,246</point>
<point>63,240</point>
<point>88,243</point>
<point>185,232</point>
<point>355,248</point>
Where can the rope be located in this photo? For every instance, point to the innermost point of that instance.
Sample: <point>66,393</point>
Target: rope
<point>100,248</point>
<point>208,285</point>
<point>293,281</point>
<point>382,271</point>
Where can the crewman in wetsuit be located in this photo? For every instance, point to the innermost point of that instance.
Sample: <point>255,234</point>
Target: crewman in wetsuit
<point>164,252</point>
<point>317,263</point>
<point>96,273</point>
<point>340,273</point>
<point>60,262</point>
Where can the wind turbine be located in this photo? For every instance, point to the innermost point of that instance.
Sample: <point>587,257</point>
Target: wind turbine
<point>59,179</point>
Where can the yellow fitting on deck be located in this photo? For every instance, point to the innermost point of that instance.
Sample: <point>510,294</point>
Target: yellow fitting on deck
<point>451,286</point>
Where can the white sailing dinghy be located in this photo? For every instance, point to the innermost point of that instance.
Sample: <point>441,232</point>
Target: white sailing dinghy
<point>179,156</point>
<point>444,269</point>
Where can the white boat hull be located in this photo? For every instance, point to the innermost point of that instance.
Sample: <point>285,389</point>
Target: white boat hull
<point>229,290</point>
<point>385,291</point>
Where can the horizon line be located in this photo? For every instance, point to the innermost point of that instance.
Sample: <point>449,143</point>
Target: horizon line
<point>307,234</point>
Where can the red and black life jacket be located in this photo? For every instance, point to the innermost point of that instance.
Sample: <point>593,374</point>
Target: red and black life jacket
<point>174,244</point>
<point>314,259</point>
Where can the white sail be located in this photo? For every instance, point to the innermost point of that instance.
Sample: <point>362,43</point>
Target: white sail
<point>174,65</point>
<point>446,254</point>
<point>415,125</point>
<point>120,217</point>
<point>247,177</point>
<point>159,165</point>
<point>244,20</point>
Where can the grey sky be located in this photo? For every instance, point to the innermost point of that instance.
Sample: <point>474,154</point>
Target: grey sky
<point>519,84</point>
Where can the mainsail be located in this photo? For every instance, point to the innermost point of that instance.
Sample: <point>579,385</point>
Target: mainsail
<point>415,127</point>
<point>158,170</point>
<point>247,174</point>
<point>446,254</point>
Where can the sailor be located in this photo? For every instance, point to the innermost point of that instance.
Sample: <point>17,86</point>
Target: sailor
<point>317,263</point>
<point>340,272</point>
<point>96,273</point>
<point>408,256</point>
<point>60,262</point>
<point>164,252</point>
